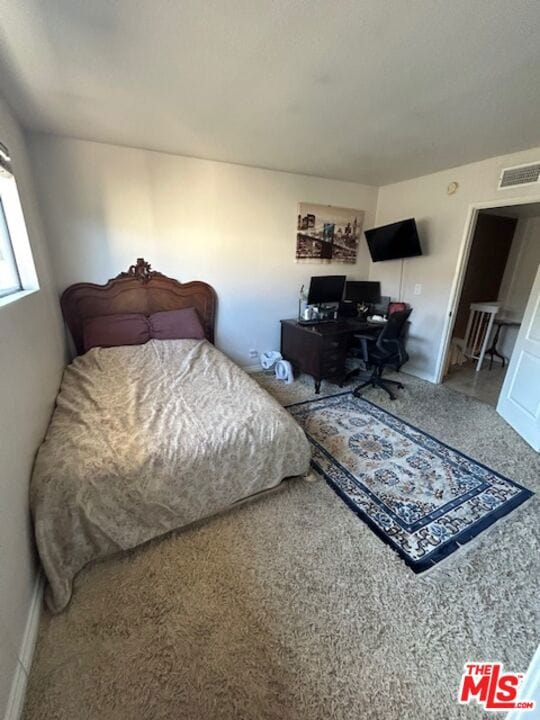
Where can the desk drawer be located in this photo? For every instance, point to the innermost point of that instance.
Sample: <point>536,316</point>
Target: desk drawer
<point>331,357</point>
<point>332,364</point>
<point>337,342</point>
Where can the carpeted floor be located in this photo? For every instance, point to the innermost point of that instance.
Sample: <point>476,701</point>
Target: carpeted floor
<point>290,607</point>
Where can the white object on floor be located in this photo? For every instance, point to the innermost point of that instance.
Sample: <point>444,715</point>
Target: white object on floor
<point>284,371</point>
<point>519,401</point>
<point>269,359</point>
<point>456,355</point>
<point>478,331</point>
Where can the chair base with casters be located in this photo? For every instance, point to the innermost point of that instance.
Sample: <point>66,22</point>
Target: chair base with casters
<point>377,381</point>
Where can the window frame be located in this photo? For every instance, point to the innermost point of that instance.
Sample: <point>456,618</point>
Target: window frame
<point>20,250</point>
<point>6,292</point>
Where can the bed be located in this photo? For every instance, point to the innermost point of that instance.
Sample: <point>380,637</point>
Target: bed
<point>149,438</point>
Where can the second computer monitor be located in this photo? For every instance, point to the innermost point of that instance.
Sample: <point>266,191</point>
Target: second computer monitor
<point>363,292</point>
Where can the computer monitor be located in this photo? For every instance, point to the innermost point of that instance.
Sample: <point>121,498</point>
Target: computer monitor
<point>362,291</point>
<point>326,289</point>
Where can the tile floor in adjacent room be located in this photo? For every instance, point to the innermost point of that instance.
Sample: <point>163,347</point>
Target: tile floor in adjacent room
<point>484,385</point>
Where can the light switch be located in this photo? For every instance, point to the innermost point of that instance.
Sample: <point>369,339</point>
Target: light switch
<point>418,289</point>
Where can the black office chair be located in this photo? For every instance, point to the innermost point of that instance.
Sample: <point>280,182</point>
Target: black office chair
<point>387,349</point>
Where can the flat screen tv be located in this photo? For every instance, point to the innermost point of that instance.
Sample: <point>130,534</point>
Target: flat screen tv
<point>395,241</point>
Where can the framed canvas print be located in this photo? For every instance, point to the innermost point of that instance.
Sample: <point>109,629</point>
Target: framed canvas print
<point>327,234</point>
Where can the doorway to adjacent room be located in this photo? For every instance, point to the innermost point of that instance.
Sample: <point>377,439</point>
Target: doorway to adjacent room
<point>497,279</point>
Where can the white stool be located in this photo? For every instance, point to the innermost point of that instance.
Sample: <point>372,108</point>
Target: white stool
<point>478,331</point>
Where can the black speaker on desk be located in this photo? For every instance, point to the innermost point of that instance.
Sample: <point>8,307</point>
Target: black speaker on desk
<point>348,309</point>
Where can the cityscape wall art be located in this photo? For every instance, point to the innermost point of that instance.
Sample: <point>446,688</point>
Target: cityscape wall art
<point>327,234</point>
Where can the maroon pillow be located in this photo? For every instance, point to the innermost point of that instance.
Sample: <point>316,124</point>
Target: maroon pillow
<point>114,330</point>
<point>176,325</point>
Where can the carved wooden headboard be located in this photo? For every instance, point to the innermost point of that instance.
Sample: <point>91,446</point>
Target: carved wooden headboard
<point>139,290</point>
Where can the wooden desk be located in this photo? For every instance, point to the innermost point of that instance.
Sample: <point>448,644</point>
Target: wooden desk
<point>320,350</point>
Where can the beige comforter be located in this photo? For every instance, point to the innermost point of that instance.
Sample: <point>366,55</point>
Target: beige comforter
<point>147,439</point>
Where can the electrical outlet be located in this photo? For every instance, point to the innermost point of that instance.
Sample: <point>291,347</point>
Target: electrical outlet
<point>418,289</point>
<point>253,353</point>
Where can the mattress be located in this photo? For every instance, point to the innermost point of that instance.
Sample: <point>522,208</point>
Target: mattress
<point>147,439</point>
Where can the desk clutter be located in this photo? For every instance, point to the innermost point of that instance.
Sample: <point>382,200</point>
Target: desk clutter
<point>333,297</point>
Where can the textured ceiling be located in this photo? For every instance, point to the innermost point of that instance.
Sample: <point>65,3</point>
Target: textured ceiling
<point>372,91</point>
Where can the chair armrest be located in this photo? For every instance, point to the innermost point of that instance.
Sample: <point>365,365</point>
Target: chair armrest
<point>393,341</point>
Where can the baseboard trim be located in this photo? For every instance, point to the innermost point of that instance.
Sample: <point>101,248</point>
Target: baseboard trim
<point>24,661</point>
<point>251,368</point>
<point>420,374</point>
<point>17,694</point>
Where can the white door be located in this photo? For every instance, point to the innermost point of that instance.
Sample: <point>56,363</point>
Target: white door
<point>519,401</point>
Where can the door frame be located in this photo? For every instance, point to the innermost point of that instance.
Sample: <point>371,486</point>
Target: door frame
<point>461,268</point>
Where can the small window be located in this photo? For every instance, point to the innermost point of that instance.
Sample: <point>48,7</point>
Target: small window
<point>17,271</point>
<point>10,281</point>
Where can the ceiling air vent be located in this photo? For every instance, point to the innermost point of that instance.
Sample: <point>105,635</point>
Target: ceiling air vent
<point>520,175</point>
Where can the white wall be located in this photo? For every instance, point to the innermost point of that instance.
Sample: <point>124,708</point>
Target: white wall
<point>233,226</point>
<point>229,225</point>
<point>32,356</point>
<point>519,276</point>
<point>442,221</point>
